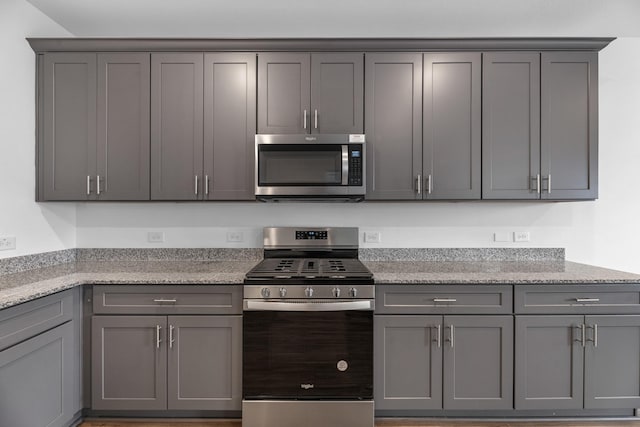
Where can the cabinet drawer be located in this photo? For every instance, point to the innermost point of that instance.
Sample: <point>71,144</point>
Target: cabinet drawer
<point>446,299</point>
<point>31,318</point>
<point>570,299</point>
<point>171,299</point>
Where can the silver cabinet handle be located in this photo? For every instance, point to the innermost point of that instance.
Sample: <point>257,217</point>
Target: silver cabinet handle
<point>587,299</point>
<point>438,333</point>
<point>419,184</point>
<point>161,300</point>
<point>536,179</point>
<point>548,179</point>
<point>158,340</point>
<point>581,339</point>
<point>594,340</point>
<point>88,185</point>
<point>429,184</point>
<point>444,300</point>
<point>316,119</point>
<point>206,185</point>
<point>451,335</point>
<point>196,184</point>
<point>171,340</point>
<point>304,119</point>
<point>98,185</point>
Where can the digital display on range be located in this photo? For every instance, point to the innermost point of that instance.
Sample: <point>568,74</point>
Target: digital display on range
<point>311,235</point>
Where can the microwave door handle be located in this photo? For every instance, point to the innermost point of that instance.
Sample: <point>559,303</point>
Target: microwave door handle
<point>345,165</point>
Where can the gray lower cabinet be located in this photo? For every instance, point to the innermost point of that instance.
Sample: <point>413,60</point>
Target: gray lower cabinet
<point>39,362</point>
<point>166,362</point>
<point>203,110</point>
<point>94,133</point>
<point>310,93</point>
<point>443,362</point>
<point>540,134</point>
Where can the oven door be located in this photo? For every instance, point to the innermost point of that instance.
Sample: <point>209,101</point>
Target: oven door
<point>300,355</point>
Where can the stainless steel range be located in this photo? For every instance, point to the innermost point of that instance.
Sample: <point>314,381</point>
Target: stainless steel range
<point>308,332</point>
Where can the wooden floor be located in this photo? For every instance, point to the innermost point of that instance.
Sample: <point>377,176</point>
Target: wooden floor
<point>379,423</point>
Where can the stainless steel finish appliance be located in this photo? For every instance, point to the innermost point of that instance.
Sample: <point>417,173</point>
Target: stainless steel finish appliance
<point>308,332</point>
<point>325,167</point>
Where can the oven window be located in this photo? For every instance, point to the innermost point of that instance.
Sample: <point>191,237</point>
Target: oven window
<point>294,164</point>
<point>308,355</point>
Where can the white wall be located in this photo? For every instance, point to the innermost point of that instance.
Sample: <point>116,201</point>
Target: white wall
<point>37,227</point>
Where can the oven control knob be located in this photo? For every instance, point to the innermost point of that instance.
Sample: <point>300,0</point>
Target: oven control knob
<point>266,292</point>
<point>336,292</point>
<point>353,292</point>
<point>308,292</point>
<point>283,292</point>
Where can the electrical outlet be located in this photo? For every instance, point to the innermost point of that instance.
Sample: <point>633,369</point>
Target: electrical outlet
<point>521,236</point>
<point>7,243</point>
<point>235,236</point>
<point>155,236</point>
<point>372,237</point>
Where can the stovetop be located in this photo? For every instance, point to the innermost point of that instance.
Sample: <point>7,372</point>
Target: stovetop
<point>334,268</point>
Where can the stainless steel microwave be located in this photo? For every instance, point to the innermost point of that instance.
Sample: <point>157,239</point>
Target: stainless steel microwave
<point>324,167</point>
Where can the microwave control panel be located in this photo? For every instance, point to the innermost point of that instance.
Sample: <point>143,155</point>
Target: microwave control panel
<point>355,164</point>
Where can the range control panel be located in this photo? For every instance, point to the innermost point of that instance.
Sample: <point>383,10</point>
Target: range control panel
<point>311,235</point>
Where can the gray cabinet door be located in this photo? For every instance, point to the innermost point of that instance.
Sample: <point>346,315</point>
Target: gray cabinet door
<point>393,116</point>
<point>408,362</point>
<point>549,362</point>
<point>337,98</point>
<point>569,129</point>
<point>229,126</point>
<point>123,126</point>
<point>612,362</point>
<point>478,362</point>
<point>205,363</point>
<point>451,126</point>
<point>284,104</point>
<point>511,125</point>
<point>68,138</point>
<point>129,362</point>
<point>176,126</point>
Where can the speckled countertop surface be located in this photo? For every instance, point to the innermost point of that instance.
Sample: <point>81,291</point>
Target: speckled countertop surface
<point>21,287</point>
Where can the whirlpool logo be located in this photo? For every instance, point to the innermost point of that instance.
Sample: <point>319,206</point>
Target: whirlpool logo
<point>306,386</point>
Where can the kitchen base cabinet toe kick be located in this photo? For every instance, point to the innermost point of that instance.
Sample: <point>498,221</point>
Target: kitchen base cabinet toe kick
<point>522,351</point>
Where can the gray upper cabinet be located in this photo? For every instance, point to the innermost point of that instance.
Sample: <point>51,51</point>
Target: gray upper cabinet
<point>123,126</point>
<point>540,134</point>
<point>67,152</point>
<point>310,93</point>
<point>511,125</point>
<point>393,117</point>
<point>229,126</point>
<point>95,136</point>
<point>569,125</point>
<point>176,125</point>
<point>451,126</point>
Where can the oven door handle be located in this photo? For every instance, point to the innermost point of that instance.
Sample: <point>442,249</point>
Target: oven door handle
<point>251,305</point>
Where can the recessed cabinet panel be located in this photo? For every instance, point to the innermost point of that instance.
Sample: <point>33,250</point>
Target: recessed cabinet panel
<point>511,125</point>
<point>176,125</point>
<point>393,110</point>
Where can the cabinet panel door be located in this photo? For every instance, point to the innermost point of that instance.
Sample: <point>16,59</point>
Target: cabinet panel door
<point>229,126</point>
<point>337,98</point>
<point>176,126</point>
<point>205,363</point>
<point>510,125</point>
<point>408,362</point>
<point>123,126</point>
<point>478,362</point>
<point>69,135</point>
<point>37,380</point>
<point>129,362</point>
<point>284,93</point>
<point>393,99</point>
<point>612,362</point>
<point>569,132</point>
<point>451,126</point>
<point>549,362</point>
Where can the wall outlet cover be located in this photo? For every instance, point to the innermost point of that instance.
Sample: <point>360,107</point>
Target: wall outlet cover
<point>7,243</point>
<point>155,237</point>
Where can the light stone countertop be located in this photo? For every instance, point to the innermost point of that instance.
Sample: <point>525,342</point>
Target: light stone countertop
<point>25,286</point>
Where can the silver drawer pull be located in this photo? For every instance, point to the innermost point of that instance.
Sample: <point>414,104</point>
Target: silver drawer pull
<point>444,300</point>
<point>158,340</point>
<point>587,299</point>
<point>161,300</point>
